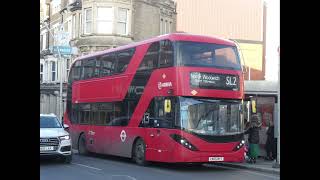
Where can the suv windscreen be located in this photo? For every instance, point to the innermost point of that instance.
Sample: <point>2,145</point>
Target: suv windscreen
<point>49,122</point>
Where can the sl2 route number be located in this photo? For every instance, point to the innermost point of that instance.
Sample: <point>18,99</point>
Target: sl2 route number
<point>231,81</point>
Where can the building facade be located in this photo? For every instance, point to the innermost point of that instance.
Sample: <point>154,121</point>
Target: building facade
<point>239,20</point>
<point>78,27</point>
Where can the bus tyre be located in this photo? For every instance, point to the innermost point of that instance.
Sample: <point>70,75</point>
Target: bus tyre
<point>82,146</point>
<point>68,159</point>
<point>139,153</point>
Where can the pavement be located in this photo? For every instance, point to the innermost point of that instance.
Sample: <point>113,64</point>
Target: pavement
<point>261,165</point>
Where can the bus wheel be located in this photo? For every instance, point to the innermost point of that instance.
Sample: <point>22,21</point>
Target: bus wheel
<point>82,146</point>
<point>139,153</point>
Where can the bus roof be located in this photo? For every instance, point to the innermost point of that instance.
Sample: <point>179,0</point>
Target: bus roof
<point>171,36</point>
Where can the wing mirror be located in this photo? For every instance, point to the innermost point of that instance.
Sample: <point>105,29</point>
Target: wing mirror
<point>66,127</point>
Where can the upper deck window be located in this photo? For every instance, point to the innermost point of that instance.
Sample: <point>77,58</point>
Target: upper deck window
<point>108,63</point>
<point>207,55</point>
<point>166,53</point>
<point>88,66</point>
<point>124,58</point>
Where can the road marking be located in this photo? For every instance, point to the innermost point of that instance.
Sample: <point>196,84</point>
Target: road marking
<point>87,166</point>
<point>130,177</point>
<point>274,177</point>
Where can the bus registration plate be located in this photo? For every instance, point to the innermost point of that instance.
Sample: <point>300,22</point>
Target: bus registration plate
<point>46,148</point>
<point>216,159</point>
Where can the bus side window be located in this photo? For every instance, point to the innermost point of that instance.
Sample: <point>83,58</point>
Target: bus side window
<point>84,114</point>
<point>96,72</point>
<point>74,114</point>
<point>108,62</point>
<point>87,68</point>
<point>166,53</point>
<point>124,58</point>
<point>105,111</point>
<point>95,115</point>
<point>75,72</point>
<point>150,60</point>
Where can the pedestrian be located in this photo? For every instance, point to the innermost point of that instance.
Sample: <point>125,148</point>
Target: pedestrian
<point>253,131</point>
<point>270,149</point>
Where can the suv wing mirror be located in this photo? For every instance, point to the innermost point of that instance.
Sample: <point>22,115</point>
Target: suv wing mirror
<point>66,126</point>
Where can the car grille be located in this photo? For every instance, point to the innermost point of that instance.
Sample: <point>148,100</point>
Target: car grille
<point>50,142</point>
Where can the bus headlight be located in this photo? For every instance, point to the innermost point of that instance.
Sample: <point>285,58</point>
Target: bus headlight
<point>183,141</point>
<point>238,146</point>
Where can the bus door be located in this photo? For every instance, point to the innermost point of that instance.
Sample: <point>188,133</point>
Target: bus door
<point>120,134</point>
<point>153,142</point>
<point>84,117</point>
<point>103,128</point>
<point>158,119</point>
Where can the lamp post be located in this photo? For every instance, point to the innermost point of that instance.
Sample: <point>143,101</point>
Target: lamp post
<point>278,139</point>
<point>277,163</point>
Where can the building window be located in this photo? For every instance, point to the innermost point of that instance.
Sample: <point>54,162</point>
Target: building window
<point>55,6</point>
<point>41,42</point>
<point>55,34</point>
<point>69,29</point>
<point>161,26</point>
<point>165,27</point>
<point>88,21</point>
<point>73,26</point>
<point>41,73</point>
<point>122,23</point>
<point>80,24</point>
<point>71,1</point>
<point>53,71</point>
<point>68,68</point>
<point>44,41</point>
<point>104,20</point>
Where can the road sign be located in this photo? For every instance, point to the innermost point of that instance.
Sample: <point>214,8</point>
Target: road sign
<point>62,38</point>
<point>64,50</point>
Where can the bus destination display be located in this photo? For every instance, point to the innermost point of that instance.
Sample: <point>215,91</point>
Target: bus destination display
<point>214,81</point>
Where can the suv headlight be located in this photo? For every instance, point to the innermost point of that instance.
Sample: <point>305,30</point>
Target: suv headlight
<point>67,137</point>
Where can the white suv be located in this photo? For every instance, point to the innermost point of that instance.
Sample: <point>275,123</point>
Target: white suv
<point>54,139</point>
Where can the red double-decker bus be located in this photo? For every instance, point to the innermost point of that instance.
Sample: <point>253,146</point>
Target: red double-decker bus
<point>173,98</point>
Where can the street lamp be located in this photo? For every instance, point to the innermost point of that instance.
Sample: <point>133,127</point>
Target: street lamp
<point>277,163</point>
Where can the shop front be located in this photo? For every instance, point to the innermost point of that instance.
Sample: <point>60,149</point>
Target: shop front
<point>261,99</point>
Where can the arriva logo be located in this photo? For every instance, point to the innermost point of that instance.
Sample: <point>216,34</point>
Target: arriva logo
<point>165,84</point>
